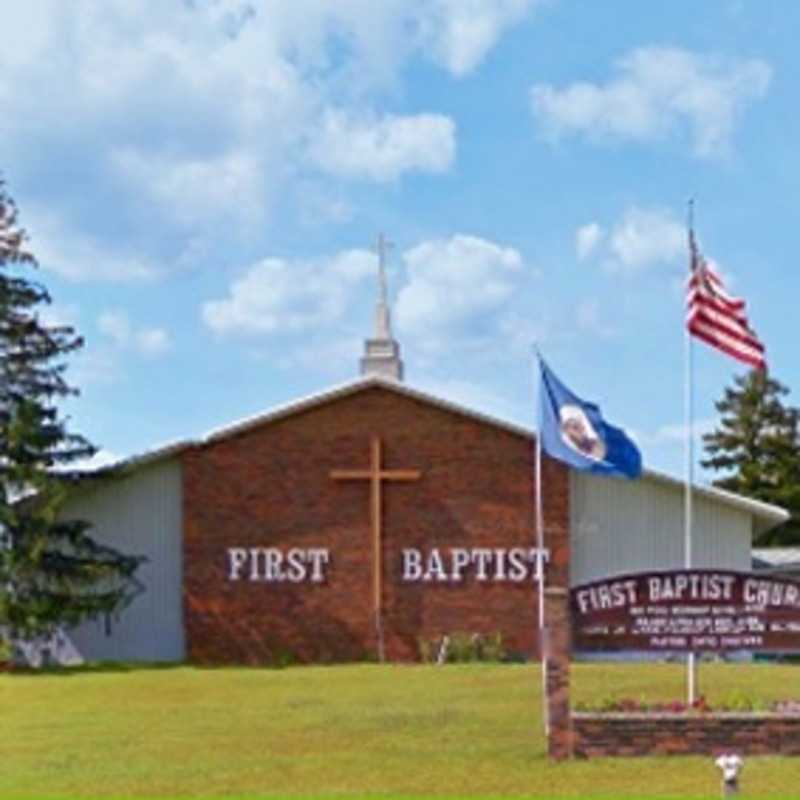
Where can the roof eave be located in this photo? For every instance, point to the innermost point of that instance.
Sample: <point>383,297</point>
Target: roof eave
<point>765,516</point>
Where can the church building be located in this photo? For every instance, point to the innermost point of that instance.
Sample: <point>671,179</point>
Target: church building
<point>356,522</point>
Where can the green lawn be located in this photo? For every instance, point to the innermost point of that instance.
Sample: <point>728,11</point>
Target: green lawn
<point>349,731</point>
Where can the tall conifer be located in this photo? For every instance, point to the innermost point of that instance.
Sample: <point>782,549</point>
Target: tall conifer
<point>52,573</point>
<point>757,448</point>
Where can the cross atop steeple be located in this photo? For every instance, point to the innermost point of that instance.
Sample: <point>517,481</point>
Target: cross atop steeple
<point>382,352</point>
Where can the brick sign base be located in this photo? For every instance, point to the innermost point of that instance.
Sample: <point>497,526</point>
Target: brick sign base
<point>601,735</point>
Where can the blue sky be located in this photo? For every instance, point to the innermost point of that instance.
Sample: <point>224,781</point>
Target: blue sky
<point>202,182</point>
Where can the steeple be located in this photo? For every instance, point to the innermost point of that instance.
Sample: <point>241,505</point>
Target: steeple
<point>382,352</point>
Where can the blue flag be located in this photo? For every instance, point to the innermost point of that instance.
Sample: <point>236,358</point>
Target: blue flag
<point>574,431</point>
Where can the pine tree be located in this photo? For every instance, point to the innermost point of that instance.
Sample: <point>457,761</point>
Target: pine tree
<point>757,447</point>
<point>52,573</point>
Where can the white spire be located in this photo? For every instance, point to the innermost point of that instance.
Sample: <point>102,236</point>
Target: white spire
<point>382,353</point>
<point>383,321</point>
<point>384,245</point>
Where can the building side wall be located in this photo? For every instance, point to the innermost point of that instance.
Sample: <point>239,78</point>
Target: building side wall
<point>621,526</point>
<point>140,515</point>
<point>271,487</point>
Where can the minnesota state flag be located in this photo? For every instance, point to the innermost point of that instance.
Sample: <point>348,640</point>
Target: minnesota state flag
<point>574,431</point>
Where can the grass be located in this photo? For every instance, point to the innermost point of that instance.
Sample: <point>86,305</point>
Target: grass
<point>346,731</point>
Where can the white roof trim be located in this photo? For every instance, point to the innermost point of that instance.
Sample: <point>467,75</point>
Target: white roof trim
<point>778,558</point>
<point>345,389</point>
<point>768,515</point>
<point>159,453</point>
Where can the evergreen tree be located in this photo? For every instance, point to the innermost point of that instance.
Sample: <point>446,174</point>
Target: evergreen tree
<point>757,447</point>
<point>52,573</point>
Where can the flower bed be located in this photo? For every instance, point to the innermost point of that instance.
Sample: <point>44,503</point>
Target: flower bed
<point>709,734</point>
<point>734,704</point>
<point>628,727</point>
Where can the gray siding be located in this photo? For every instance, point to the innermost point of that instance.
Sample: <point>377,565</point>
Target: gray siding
<point>621,526</point>
<point>140,514</point>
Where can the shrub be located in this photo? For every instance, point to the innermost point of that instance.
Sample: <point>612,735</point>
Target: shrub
<point>427,650</point>
<point>738,701</point>
<point>462,648</point>
<point>283,657</point>
<point>493,649</point>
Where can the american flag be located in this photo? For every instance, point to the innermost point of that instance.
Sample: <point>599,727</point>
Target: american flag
<point>717,318</point>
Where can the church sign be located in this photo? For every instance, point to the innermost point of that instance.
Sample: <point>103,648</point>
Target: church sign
<point>687,611</point>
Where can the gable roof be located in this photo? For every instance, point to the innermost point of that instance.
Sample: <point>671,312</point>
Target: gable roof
<point>765,516</point>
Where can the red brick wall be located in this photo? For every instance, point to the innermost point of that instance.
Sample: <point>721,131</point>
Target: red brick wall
<point>270,486</point>
<point>596,735</point>
<point>557,672</point>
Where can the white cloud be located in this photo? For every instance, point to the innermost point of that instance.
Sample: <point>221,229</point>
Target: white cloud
<point>333,356</point>
<point>521,331</point>
<point>674,433</point>
<point>461,293</point>
<point>148,342</point>
<point>193,190</point>
<point>657,91</point>
<point>92,367</point>
<point>317,203</point>
<point>276,295</point>
<point>642,238</point>
<point>152,342</point>
<point>169,117</point>
<point>59,315</point>
<point>589,319</point>
<point>115,325</point>
<point>587,237</point>
<point>466,30</point>
<point>646,236</point>
<point>456,286</point>
<point>383,148</point>
<point>79,257</point>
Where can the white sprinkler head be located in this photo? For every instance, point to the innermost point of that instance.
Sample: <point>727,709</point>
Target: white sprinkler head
<point>731,765</point>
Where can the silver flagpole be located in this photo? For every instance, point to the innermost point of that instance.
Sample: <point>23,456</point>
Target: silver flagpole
<point>691,660</point>
<point>540,545</point>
